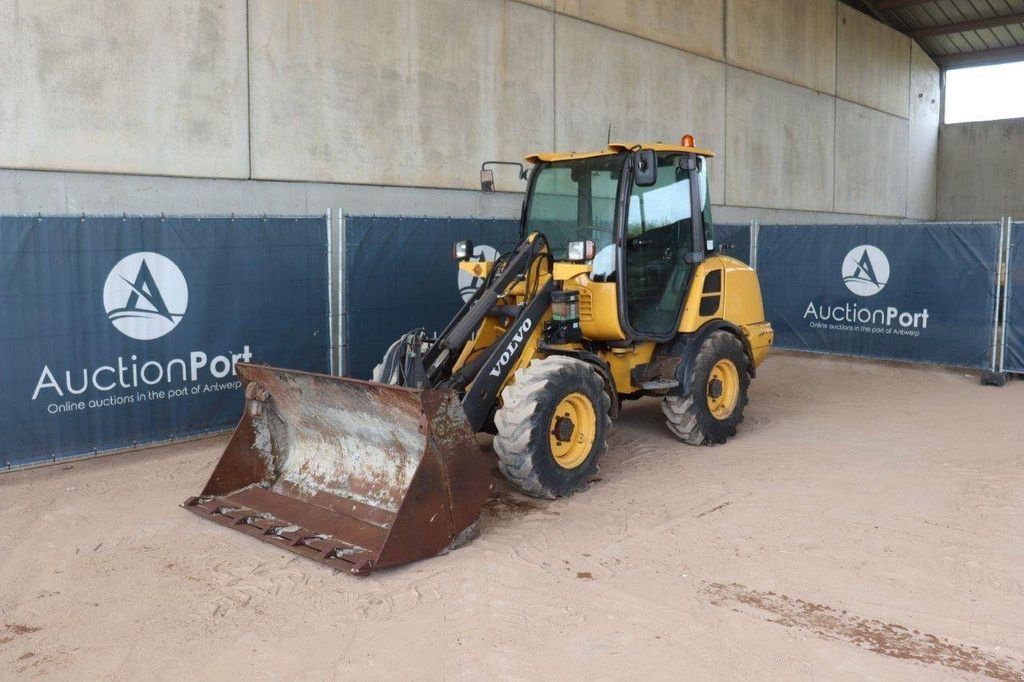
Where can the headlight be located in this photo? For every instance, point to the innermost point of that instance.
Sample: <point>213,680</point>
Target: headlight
<point>462,250</point>
<point>581,251</point>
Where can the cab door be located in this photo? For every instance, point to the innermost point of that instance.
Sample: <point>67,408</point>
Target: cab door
<point>660,250</point>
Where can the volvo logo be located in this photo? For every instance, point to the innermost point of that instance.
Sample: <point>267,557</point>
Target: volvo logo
<point>145,295</point>
<point>865,270</point>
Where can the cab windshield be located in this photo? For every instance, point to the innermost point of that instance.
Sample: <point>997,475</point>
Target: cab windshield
<point>575,200</point>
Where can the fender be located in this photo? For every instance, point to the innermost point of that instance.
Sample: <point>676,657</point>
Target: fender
<point>691,344</point>
<point>602,369</point>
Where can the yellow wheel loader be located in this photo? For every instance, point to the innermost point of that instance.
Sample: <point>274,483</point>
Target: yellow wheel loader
<point>615,292</point>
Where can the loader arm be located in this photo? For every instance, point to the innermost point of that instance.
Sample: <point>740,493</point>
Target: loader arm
<point>482,379</point>
<point>503,358</point>
<point>439,360</point>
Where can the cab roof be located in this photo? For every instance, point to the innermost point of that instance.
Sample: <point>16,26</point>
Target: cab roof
<point>616,148</point>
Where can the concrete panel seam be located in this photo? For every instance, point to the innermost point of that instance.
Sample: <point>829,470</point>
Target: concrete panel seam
<point>292,181</point>
<point>815,211</point>
<point>674,47</point>
<point>79,171</point>
<point>554,11</point>
<point>910,87</point>
<point>868,106</point>
<point>248,83</point>
<point>554,80</point>
<point>725,117</point>
<point>721,61</point>
<point>835,146</point>
<point>725,38</point>
<point>302,181</point>
<point>627,33</point>
<point>835,116</point>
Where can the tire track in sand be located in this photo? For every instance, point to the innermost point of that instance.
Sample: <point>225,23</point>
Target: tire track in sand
<point>883,638</point>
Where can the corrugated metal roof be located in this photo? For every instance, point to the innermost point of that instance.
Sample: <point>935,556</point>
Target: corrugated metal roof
<point>956,32</point>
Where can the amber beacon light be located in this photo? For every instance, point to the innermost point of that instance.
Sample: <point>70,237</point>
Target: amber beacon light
<point>687,140</point>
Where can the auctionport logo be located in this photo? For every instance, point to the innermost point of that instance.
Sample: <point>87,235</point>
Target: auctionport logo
<point>865,270</point>
<point>865,273</point>
<point>468,284</point>
<point>145,295</point>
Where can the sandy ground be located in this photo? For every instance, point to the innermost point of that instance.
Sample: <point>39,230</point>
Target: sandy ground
<point>865,523</point>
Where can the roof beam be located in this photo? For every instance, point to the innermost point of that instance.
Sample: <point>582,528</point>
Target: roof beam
<point>974,25</point>
<point>870,7</point>
<point>999,55</point>
<point>896,4</point>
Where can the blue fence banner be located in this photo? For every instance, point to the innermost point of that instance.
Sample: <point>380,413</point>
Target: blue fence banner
<point>733,240</point>
<point>399,275</point>
<point>1013,359</point>
<point>919,293</point>
<point>117,332</point>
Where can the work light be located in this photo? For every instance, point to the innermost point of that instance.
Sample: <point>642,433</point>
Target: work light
<point>462,250</point>
<point>581,251</point>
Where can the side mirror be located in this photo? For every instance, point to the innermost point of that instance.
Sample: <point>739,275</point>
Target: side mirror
<point>487,180</point>
<point>645,167</point>
<point>487,174</point>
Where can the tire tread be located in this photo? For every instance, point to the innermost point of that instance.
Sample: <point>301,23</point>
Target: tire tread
<point>521,433</point>
<point>687,416</point>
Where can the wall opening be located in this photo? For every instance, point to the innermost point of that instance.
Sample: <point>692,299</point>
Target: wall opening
<point>984,93</point>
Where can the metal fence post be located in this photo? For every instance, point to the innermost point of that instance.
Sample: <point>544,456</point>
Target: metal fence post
<point>1007,289</point>
<point>996,375</point>
<point>330,292</point>
<point>1000,296</point>
<point>342,327</point>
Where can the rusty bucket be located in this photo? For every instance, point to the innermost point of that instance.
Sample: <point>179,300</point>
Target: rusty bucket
<point>354,474</point>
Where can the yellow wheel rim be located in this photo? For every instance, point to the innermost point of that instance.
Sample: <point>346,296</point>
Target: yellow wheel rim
<point>723,390</point>
<point>572,431</point>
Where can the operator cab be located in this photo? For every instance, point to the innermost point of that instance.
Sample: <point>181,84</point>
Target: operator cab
<point>651,202</point>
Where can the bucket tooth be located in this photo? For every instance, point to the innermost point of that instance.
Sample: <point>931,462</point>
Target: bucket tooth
<point>353,474</point>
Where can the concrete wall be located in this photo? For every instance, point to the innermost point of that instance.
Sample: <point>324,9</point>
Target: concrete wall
<point>146,86</point>
<point>814,109</point>
<point>923,143</point>
<point>780,144</point>
<point>981,170</point>
<point>791,40</point>
<point>871,161</point>
<point>644,91</point>
<point>872,64</point>
<point>451,84</point>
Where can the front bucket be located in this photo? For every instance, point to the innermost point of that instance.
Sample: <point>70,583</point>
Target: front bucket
<point>354,474</point>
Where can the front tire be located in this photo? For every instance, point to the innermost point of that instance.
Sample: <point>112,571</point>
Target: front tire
<point>719,379</point>
<point>552,427</point>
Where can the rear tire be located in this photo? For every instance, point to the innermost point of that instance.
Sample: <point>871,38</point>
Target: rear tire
<point>552,427</point>
<point>719,379</point>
